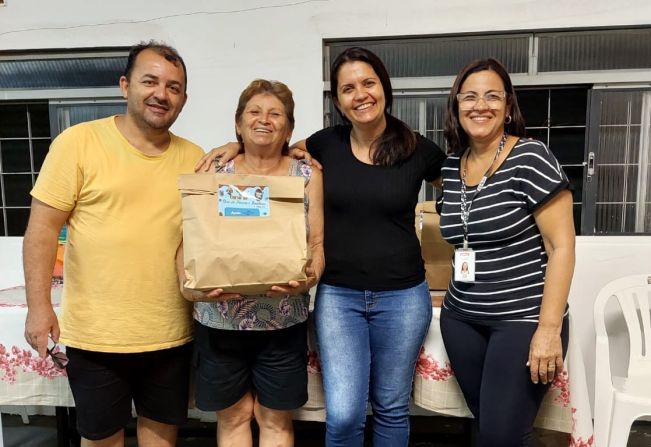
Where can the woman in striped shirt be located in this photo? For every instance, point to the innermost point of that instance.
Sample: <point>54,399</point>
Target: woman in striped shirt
<point>507,209</point>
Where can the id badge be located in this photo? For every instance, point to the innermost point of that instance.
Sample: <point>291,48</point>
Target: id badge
<point>464,265</point>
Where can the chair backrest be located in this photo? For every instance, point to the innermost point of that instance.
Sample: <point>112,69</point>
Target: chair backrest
<point>633,294</point>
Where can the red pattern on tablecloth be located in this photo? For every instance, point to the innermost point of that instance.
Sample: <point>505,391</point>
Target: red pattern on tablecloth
<point>14,358</point>
<point>428,368</point>
<point>313,364</point>
<point>562,383</point>
<point>578,442</point>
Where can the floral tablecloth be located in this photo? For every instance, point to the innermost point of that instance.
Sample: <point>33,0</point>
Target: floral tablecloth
<point>26,379</point>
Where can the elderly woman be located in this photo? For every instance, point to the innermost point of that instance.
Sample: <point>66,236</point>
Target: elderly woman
<point>254,363</point>
<point>507,210</point>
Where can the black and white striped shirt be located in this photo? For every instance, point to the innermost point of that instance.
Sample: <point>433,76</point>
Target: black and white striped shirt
<point>509,250</point>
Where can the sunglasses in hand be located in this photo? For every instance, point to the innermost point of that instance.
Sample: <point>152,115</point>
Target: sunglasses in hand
<point>60,359</point>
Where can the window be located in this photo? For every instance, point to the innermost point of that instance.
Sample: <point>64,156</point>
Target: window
<point>440,56</point>
<point>24,141</point>
<point>557,117</point>
<point>38,89</point>
<point>618,181</point>
<point>26,130</point>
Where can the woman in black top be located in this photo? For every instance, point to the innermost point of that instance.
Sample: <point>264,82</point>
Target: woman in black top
<point>507,210</point>
<point>372,307</point>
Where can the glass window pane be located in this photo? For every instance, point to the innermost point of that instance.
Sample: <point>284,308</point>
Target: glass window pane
<point>576,214</point>
<point>13,121</point>
<point>408,110</point>
<point>594,50</point>
<point>567,144</point>
<point>609,218</point>
<point>436,109</point>
<point>633,148</point>
<point>439,56</point>
<point>17,188</point>
<point>40,148</point>
<point>615,108</point>
<point>575,175</point>
<point>631,183</point>
<point>537,134</point>
<point>629,218</point>
<point>17,221</point>
<point>438,138</point>
<point>568,106</point>
<point>612,145</point>
<point>15,156</point>
<point>533,105</point>
<point>620,149</point>
<point>610,181</point>
<point>636,106</point>
<point>39,116</point>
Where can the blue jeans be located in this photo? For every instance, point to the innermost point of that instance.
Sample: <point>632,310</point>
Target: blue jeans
<point>368,345</point>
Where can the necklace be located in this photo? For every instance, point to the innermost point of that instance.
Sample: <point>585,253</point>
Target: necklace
<point>465,204</point>
<point>500,148</point>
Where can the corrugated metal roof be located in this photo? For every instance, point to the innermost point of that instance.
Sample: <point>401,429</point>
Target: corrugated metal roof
<point>61,73</point>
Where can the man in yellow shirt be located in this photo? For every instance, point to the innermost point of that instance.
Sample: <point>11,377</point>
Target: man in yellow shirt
<point>126,326</point>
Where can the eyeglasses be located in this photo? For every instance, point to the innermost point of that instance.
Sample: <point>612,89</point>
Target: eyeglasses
<point>60,359</point>
<point>493,99</point>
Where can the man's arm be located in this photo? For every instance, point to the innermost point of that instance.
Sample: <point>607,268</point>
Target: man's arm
<point>39,256</point>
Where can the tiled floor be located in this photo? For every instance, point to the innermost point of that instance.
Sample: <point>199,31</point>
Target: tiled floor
<point>427,431</point>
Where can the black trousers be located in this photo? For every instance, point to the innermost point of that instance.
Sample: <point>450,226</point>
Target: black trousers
<point>489,361</point>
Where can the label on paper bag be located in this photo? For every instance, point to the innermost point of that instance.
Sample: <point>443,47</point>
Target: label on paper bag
<point>243,201</point>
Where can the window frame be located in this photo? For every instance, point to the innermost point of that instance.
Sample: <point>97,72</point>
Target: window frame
<point>591,181</point>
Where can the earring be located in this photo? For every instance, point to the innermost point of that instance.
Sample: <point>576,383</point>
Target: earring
<point>508,119</point>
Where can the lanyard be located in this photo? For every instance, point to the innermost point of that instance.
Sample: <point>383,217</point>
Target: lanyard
<point>465,204</point>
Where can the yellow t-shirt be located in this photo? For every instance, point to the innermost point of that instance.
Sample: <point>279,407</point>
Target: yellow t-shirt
<point>121,290</point>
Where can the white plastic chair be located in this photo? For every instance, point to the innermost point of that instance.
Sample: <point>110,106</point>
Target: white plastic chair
<point>619,401</point>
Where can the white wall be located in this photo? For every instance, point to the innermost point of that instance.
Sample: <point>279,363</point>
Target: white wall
<point>11,268</point>
<point>228,43</point>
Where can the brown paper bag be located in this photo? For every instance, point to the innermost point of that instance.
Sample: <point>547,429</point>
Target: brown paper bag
<point>243,233</point>
<point>436,252</point>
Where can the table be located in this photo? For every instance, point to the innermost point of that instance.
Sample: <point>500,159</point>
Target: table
<point>27,380</point>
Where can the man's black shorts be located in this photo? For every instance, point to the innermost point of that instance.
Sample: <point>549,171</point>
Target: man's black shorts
<point>104,385</point>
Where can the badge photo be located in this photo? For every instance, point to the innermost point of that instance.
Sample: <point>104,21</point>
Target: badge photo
<point>464,265</point>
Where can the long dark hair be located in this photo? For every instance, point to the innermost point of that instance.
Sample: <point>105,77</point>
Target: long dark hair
<point>454,134</point>
<point>398,141</point>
